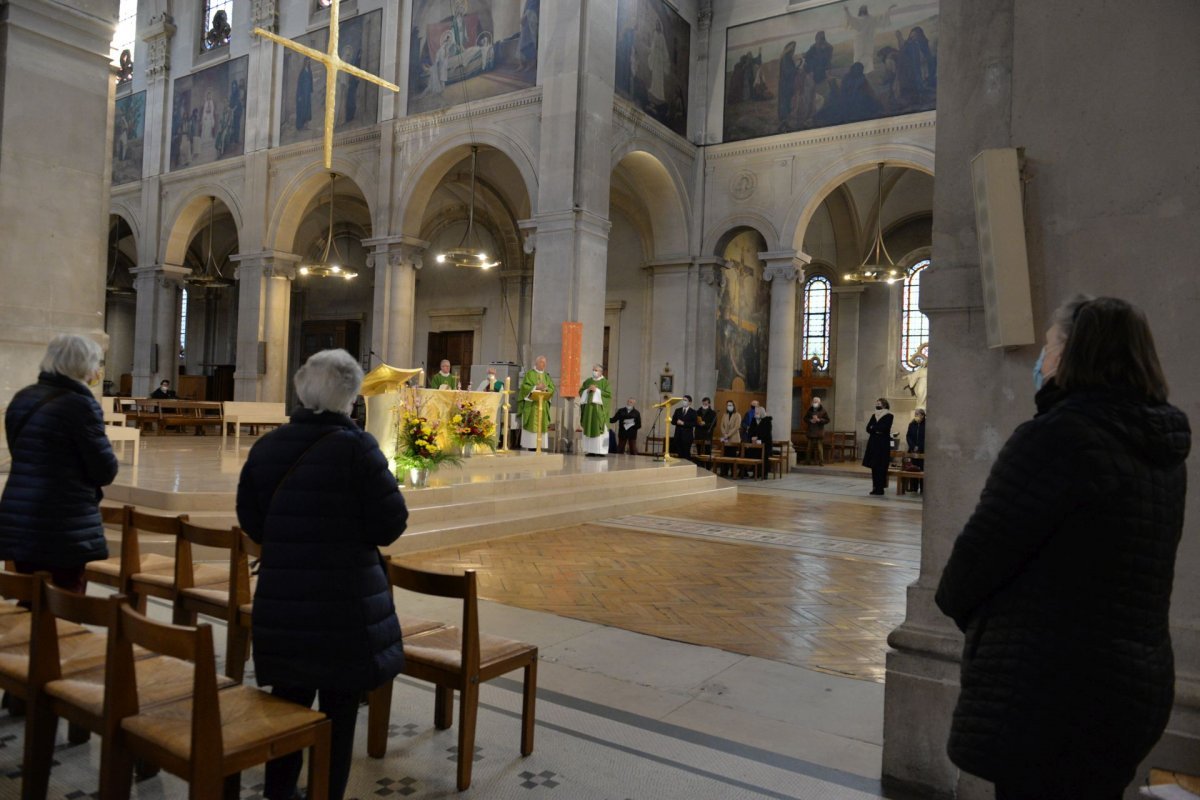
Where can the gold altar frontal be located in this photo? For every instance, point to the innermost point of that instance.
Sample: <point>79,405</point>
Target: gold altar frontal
<point>437,405</point>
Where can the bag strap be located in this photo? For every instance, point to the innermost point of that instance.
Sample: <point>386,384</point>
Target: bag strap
<point>296,463</point>
<point>20,426</point>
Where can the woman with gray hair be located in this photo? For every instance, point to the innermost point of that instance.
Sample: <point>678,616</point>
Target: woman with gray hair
<point>318,496</point>
<point>50,510</point>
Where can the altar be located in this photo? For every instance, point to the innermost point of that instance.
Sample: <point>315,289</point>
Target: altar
<point>384,411</point>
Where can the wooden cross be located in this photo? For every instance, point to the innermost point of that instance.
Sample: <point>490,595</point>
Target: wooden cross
<point>333,65</point>
<point>808,380</point>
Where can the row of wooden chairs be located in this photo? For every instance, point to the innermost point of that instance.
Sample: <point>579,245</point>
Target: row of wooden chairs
<point>454,658</point>
<point>149,689</point>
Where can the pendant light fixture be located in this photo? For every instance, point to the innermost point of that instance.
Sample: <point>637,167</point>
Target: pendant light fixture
<point>324,268</point>
<point>878,266</point>
<point>111,287</point>
<point>209,275</point>
<point>469,253</point>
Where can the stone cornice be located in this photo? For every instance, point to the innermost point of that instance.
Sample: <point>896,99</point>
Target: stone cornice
<point>474,109</point>
<point>273,263</point>
<point>396,251</point>
<point>280,154</point>
<point>890,126</point>
<point>639,120</point>
<point>211,171</point>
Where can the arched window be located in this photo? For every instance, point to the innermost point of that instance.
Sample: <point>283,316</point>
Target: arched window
<point>218,23</point>
<point>914,326</point>
<point>818,298</point>
<point>124,37</point>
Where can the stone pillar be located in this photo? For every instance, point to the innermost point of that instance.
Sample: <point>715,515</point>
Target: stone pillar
<point>669,295</point>
<point>157,35</point>
<point>264,310</point>
<point>703,327</point>
<point>156,325</point>
<point>56,99</point>
<point>844,357</point>
<point>395,260</point>
<point>785,271</point>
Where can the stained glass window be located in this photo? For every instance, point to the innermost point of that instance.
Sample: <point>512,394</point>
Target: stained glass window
<point>183,315</point>
<point>818,298</point>
<point>914,326</point>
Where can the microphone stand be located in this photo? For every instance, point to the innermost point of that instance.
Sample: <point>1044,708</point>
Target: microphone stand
<point>654,429</point>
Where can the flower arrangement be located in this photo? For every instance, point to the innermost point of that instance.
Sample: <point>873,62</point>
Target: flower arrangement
<point>416,444</point>
<point>470,426</point>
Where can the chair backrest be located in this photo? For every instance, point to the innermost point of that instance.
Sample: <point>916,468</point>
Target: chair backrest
<point>244,549</point>
<point>116,515</point>
<point>189,534</point>
<point>50,604</point>
<point>15,586</point>
<point>156,523</point>
<point>183,642</point>
<point>131,551</point>
<point>438,584</point>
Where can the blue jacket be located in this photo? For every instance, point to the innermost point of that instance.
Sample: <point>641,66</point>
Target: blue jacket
<point>323,610</point>
<point>50,513</point>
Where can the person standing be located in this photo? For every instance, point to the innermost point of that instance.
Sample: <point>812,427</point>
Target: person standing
<point>491,383</point>
<point>61,458</point>
<point>878,453</point>
<point>595,399</point>
<point>915,437</point>
<point>684,420</point>
<point>536,379</point>
<point>443,379</point>
<point>318,495</point>
<point>761,433</point>
<point>628,421</point>
<point>748,420</point>
<point>706,422</point>
<point>814,430</point>
<point>1061,578</point>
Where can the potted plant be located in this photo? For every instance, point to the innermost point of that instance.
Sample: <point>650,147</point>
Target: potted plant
<point>471,428</point>
<point>417,449</point>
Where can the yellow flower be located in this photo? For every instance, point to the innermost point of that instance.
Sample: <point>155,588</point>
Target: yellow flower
<point>457,418</point>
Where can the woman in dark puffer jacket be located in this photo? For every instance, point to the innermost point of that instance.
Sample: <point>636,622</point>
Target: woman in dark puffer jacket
<point>1062,577</point>
<point>318,495</point>
<point>50,511</point>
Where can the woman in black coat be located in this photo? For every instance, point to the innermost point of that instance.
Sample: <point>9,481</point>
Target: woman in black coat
<point>878,454</point>
<point>319,497</point>
<point>1062,577</point>
<point>50,511</point>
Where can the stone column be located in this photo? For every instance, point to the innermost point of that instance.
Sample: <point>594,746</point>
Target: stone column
<point>669,294</point>
<point>785,271</point>
<point>157,35</point>
<point>844,357</point>
<point>56,100</point>
<point>156,325</point>
<point>703,332</point>
<point>395,260</point>
<point>264,310</point>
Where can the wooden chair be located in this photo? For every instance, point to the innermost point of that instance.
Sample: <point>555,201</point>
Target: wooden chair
<point>210,599</point>
<point>783,459</point>
<point>66,676</point>
<point>160,581</point>
<point>454,658</point>
<point>117,570</point>
<point>208,738</point>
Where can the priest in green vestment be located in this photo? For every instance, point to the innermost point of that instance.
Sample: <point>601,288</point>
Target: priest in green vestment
<point>443,379</point>
<point>595,400</point>
<point>536,378</point>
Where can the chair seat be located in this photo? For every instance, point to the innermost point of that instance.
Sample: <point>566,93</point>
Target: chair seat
<point>11,608</point>
<point>411,626</point>
<point>206,575</point>
<point>249,717</point>
<point>16,629</point>
<point>442,648</point>
<point>215,593</point>
<point>151,562</point>
<point>76,653</point>
<point>160,680</point>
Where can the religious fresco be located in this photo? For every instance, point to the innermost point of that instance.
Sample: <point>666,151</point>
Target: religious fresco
<point>357,105</point>
<point>653,56</point>
<point>208,118</point>
<point>829,65</point>
<point>129,135</point>
<point>743,317</point>
<point>463,50</point>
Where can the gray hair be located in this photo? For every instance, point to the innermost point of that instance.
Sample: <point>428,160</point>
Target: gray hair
<point>1064,316</point>
<point>73,356</point>
<point>329,381</point>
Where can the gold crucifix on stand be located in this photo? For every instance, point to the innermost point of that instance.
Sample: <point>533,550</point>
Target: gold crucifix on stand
<point>333,65</point>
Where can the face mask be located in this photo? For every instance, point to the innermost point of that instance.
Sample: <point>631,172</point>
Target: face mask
<point>816,404</point>
<point>1038,379</point>
<point>878,407</point>
<point>595,373</point>
<point>729,408</point>
<point>629,406</point>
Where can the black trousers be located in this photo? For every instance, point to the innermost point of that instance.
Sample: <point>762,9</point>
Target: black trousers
<point>879,479</point>
<point>342,709</point>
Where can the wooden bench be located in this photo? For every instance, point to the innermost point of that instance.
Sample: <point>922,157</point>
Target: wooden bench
<point>188,414</point>
<point>903,475</point>
<point>239,412</point>
<point>117,432</point>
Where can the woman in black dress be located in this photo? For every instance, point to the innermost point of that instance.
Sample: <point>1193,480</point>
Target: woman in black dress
<point>878,454</point>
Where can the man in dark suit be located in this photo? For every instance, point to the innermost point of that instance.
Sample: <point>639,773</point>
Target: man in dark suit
<point>684,420</point>
<point>628,421</point>
<point>749,418</point>
<point>706,420</point>
<point>760,433</point>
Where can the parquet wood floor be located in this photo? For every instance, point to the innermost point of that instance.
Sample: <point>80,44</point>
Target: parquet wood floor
<point>827,611</point>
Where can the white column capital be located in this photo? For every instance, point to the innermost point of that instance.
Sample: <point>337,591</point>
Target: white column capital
<point>157,35</point>
<point>272,263</point>
<point>784,265</point>
<point>402,250</point>
<point>265,14</point>
<point>165,275</point>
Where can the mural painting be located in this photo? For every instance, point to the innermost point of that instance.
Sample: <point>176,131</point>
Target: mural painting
<point>208,118</point>
<point>743,317</point>
<point>129,132</point>
<point>464,50</point>
<point>653,56</point>
<point>829,65</point>
<point>303,113</point>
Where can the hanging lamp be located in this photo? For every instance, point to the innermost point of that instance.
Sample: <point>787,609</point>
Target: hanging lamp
<point>111,287</point>
<point>468,253</point>
<point>878,266</point>
<point>209,275</point>
<point>324,268</point>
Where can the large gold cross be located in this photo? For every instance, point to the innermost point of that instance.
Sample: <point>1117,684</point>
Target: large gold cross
<point>333,64</point>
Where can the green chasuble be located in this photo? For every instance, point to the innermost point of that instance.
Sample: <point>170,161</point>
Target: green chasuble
<point>528,408</point>
<point>594,416</point>
<point>439,380</point>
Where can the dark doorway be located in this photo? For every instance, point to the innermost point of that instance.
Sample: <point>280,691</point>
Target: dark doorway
<point>458,346</point>
<point>318,335</point>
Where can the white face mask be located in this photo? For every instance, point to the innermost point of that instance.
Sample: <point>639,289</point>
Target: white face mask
<point>595,373</point>
<point>729,408</point>
<point>629,406</point>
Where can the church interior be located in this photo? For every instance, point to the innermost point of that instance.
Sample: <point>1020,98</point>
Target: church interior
<point>754,202</point>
